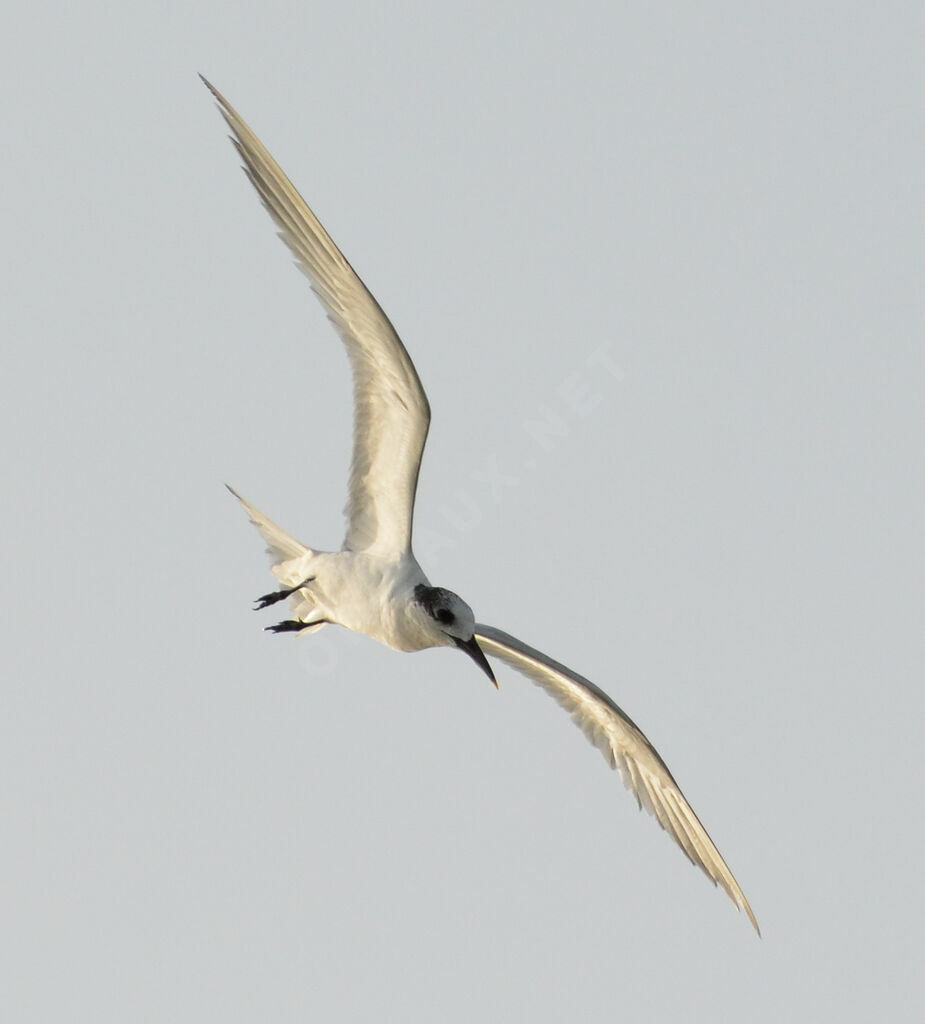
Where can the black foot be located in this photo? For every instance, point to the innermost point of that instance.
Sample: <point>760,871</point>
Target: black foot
<point>279,595</point>
<point>293,626</point>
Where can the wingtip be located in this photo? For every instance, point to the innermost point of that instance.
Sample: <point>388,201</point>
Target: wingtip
<point>235,494</point>
<point>223,104</point>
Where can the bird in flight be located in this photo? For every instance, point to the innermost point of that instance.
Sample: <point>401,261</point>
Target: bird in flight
<point>374,584</point>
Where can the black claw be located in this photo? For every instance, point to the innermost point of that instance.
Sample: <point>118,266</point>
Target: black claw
<point>289,626</point>
<point>279,595</point>
<point>293,626</point>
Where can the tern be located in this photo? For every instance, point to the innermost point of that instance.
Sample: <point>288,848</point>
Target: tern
<point>374,584</point>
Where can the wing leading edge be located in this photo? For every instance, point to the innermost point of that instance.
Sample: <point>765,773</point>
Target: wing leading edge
<point>625,747</point>
<point>391,412</point>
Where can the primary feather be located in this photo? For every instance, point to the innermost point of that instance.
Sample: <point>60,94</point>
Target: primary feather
<point>626,748</point>
<point>391,412</point>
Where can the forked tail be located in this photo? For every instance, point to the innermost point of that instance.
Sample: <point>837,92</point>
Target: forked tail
<point>291,558</point>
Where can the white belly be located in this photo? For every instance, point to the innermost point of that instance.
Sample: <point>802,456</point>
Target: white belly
<point>371,596</point>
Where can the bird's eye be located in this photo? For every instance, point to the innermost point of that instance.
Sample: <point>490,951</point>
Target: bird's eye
<point>445,616</point>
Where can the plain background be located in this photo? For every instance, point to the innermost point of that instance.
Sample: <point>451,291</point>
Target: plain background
<point>660,269</point>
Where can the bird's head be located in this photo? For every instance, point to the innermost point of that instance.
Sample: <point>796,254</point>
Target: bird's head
<point>451,621</point>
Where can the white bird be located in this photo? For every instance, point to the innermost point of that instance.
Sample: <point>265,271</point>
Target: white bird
<point>374,584</point>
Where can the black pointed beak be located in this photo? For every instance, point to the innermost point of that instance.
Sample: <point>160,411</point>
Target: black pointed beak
<point>475,653</point>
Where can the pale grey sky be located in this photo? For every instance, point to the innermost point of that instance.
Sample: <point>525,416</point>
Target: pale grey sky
<point>660,272</point>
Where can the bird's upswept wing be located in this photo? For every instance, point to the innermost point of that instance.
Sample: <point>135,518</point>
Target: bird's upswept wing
<point>391,412</point>
<point>622,742</point>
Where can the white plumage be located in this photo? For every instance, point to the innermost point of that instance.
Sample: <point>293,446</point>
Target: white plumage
<point>374,584</point>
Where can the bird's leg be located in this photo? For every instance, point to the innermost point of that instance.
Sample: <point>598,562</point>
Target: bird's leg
<point>294,625</point>
<point>280,595</point>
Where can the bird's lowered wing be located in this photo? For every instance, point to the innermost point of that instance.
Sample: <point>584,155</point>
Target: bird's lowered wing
<point>623,744</point>
<point>391,413</point>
